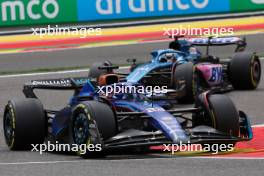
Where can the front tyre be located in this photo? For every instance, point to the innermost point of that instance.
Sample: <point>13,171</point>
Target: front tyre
<point>24,124</point>
<point>186,72</point>
<point>92,122</point>
<point>224,114</point>
<point>220,113</point>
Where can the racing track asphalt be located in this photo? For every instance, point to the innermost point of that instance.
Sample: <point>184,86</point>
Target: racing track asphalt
<point>31,163</point>
<point>87,56</point>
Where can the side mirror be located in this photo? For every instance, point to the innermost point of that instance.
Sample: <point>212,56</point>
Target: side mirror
<point>132,61</point>
<point>241,45</point>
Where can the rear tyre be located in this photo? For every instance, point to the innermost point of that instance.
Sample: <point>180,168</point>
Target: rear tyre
<point>92,123</point>
<point>95,72</point>
<point>245,71</point>
<point>24,124</point>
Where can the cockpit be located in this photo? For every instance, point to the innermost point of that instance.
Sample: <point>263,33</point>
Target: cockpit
<point>168,57</point>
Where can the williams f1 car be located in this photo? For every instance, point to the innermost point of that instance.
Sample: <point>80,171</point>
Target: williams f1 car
<point>119,121</point>
<point>184,62</point>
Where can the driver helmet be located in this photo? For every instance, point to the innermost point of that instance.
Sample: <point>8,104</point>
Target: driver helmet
<point>170,57</point>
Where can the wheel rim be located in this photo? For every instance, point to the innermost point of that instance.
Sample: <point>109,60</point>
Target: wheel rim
<point>9,130</point>
<point>81,129</point>
<point>256,72</point>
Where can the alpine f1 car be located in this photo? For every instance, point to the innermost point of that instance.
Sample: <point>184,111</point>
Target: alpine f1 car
<point>120,121</point>
<point>184,62</point>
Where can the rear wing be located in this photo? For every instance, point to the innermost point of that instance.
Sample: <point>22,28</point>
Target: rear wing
<point>240,43</point>
<point>54,84</point>
<point>216,41</point>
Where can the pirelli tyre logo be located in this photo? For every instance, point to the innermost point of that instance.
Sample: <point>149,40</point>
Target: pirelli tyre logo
<point>21,10</point>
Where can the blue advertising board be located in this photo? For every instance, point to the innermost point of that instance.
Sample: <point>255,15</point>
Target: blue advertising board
<point>89,10</point>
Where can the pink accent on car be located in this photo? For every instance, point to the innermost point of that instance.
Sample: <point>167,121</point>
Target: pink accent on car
<point>212,73</point>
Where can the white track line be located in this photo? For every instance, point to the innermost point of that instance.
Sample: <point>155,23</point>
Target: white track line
<point>227,158</point>
<point>42,162</point>
<point>79,161</point>
<point>257,126</point>
<point>44,73</point>
<point>54,73</point>
<point>50,73</point>
<point>87,161</point>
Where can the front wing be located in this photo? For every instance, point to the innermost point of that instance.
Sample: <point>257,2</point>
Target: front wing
<point>202,135</point>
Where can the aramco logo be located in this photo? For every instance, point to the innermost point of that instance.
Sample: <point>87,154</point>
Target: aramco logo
<point>17,10</point>
<point>109,7</point>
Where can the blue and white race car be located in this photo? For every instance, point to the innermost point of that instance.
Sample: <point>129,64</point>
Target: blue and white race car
<point>184,62</point>
<point>119,121</point>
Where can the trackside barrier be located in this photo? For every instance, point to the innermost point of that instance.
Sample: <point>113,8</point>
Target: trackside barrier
<point>33,12</point>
